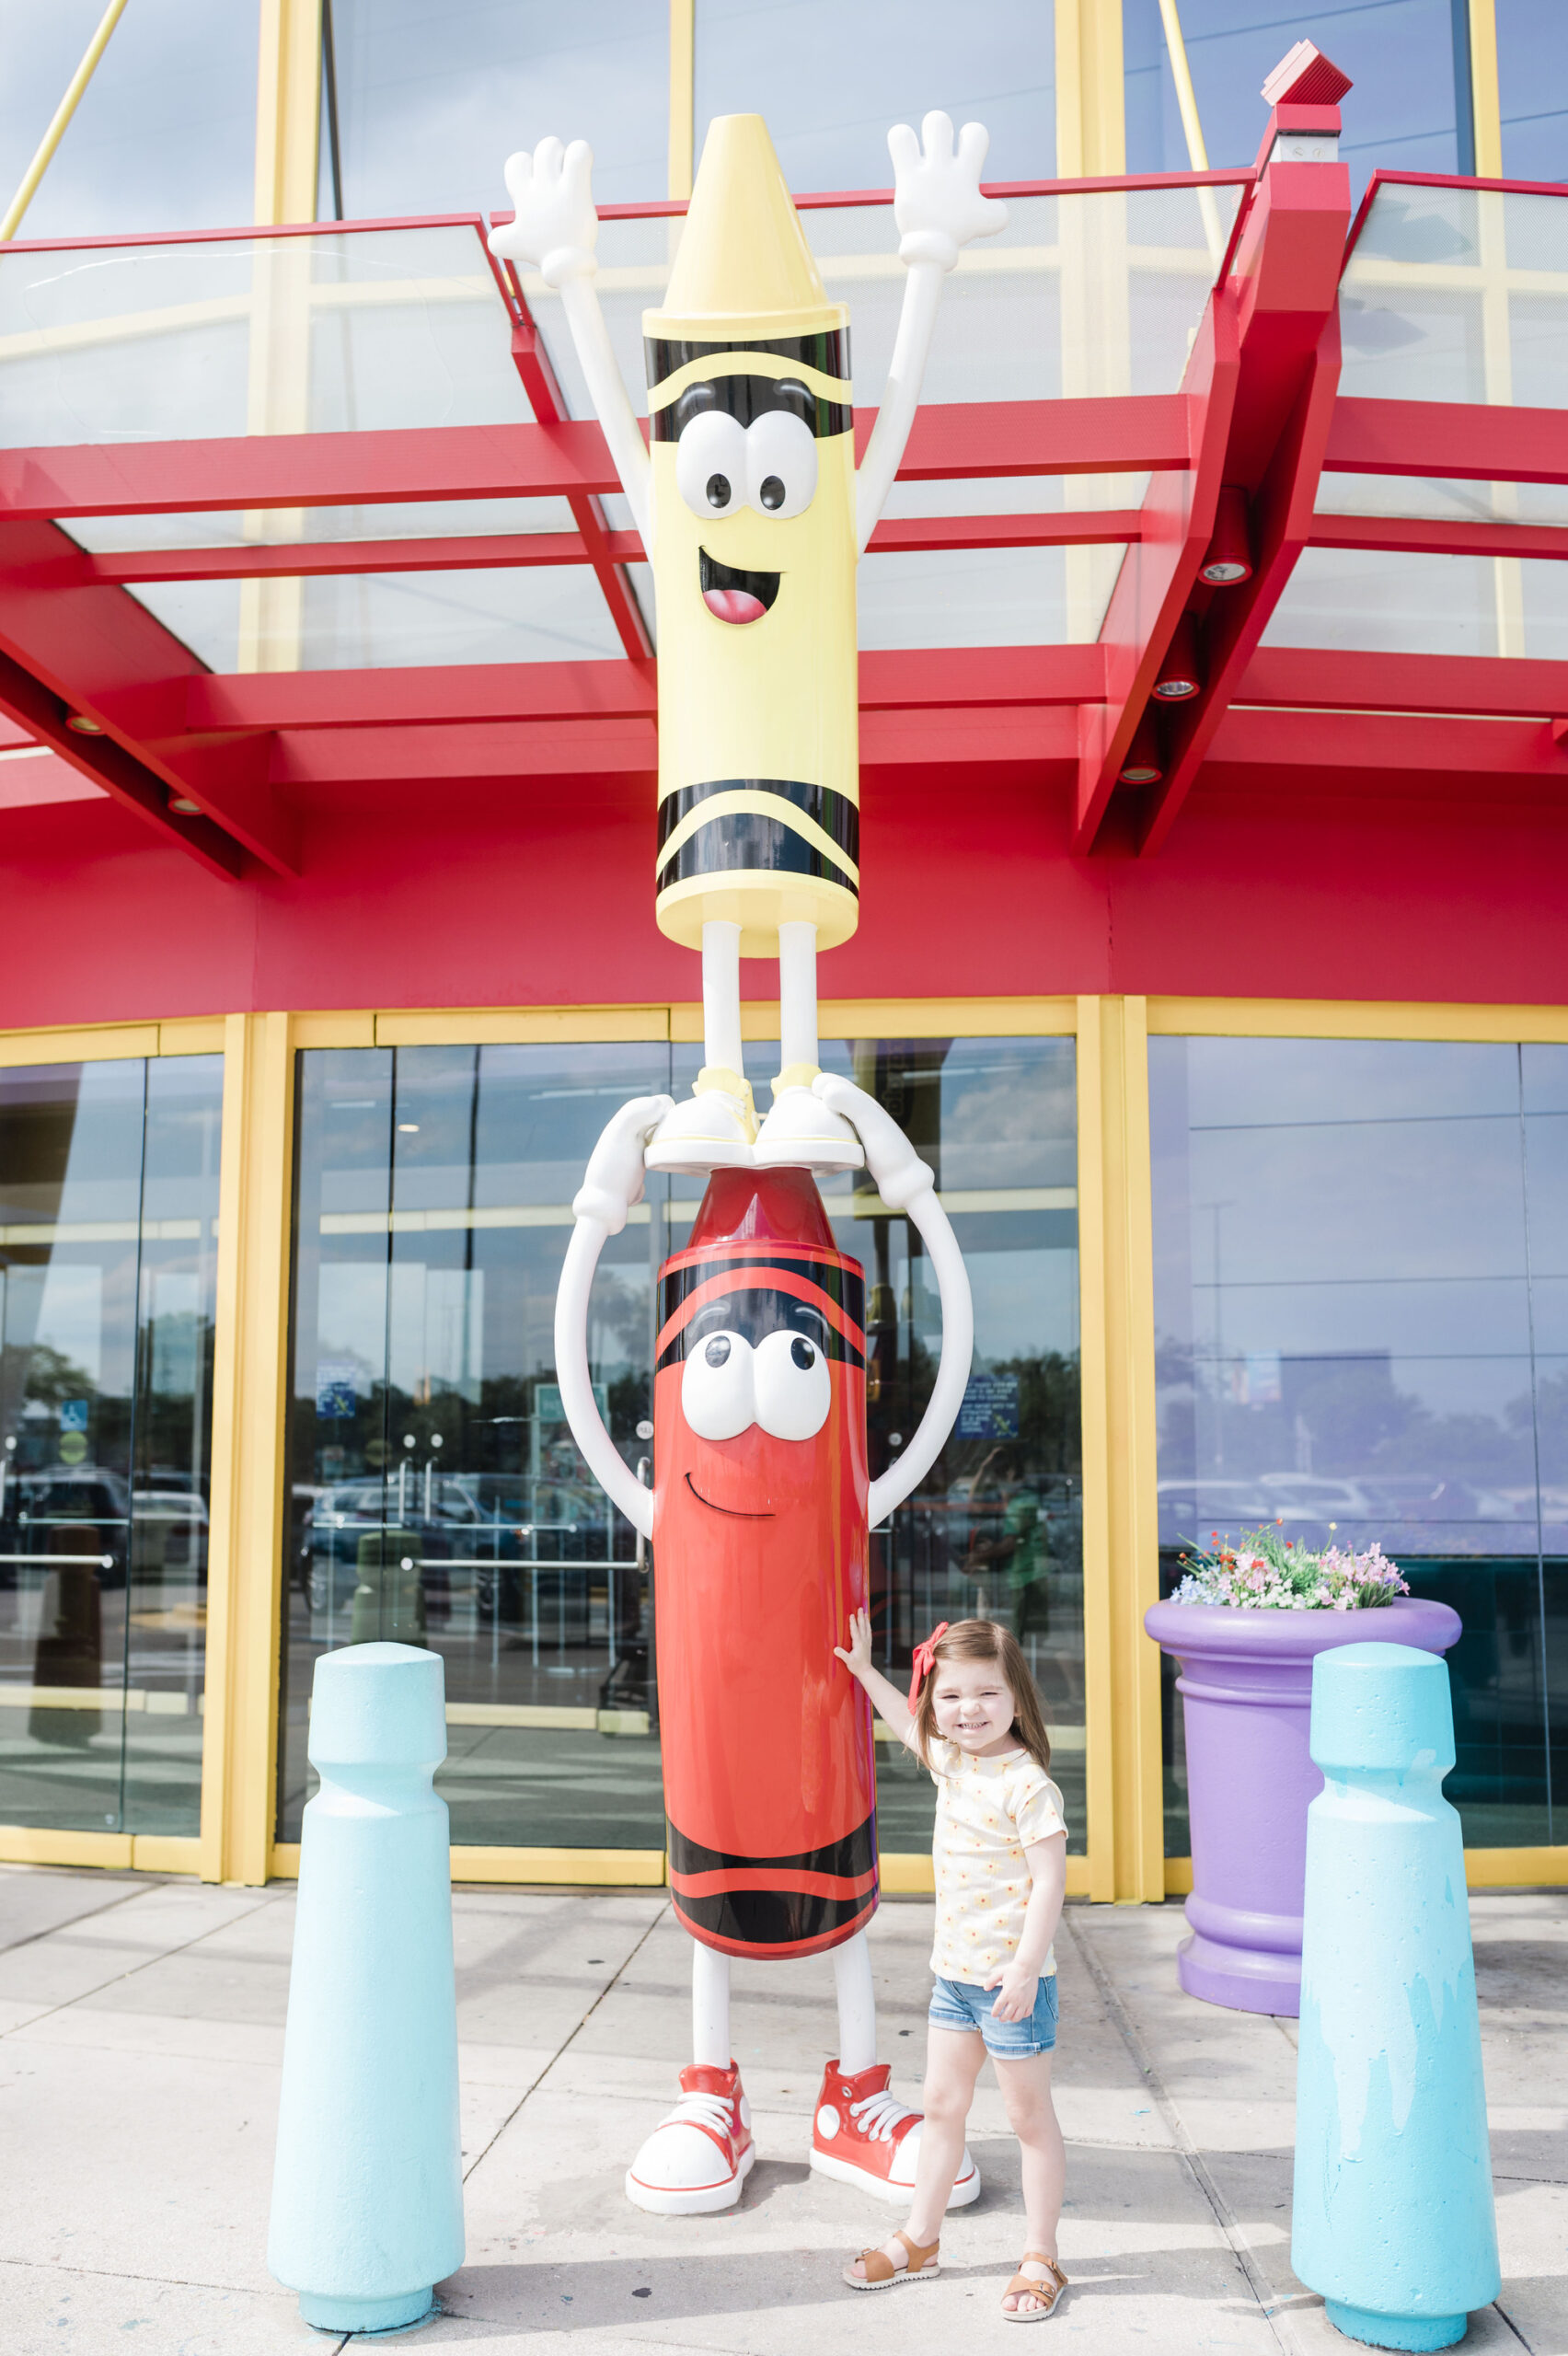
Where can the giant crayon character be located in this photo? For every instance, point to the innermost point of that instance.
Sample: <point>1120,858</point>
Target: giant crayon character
<point>753,516</point>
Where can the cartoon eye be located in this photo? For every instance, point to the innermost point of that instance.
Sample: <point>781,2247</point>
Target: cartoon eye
<point>781,464</point>
<point>710,464</point>
<point>717,1393</point>
<point>793,1388</point>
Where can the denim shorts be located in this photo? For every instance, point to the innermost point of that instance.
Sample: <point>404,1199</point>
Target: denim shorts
<point>958,2003</point>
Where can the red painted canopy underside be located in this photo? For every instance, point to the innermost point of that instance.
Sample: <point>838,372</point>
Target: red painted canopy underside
<point>1325,824</point>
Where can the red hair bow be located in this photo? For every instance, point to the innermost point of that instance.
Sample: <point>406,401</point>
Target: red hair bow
<point>924,1661</point>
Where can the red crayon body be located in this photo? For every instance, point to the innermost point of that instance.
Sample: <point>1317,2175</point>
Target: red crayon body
<point>760,1541</point>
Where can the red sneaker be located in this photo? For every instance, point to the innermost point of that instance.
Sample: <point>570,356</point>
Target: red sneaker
<point>864,2135</point>
<point>699,2156</point>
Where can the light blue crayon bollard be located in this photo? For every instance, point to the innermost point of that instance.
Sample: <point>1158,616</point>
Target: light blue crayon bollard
<point>1393,2219</point>
<point>368,2195</point>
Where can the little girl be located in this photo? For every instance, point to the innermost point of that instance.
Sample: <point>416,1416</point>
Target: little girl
<point>999,1852</point>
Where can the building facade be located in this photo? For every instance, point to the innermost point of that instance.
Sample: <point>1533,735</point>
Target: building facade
<point>1231,1009</point>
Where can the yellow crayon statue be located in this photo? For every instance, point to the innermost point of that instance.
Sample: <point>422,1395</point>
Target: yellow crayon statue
<point>754,517</point>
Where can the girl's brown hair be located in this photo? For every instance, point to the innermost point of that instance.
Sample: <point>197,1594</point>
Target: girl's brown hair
<point>986,1640</point>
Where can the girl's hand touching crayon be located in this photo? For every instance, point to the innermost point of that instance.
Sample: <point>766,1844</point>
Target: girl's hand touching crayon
<point>857,1656</point>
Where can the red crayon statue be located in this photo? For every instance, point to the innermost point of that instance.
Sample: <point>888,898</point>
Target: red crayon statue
<point>759,1531</point>
<point>759,1516</point>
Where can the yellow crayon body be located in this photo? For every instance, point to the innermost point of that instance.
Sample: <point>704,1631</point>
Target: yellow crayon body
<point>758,691</point>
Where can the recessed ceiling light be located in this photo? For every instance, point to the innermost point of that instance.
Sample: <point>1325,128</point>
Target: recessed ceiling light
<point>183,807</point>
<point>409,1128</point>
<point>83,725</point>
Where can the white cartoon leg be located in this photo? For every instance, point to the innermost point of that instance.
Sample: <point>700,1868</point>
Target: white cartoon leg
<point>699,2156</point>
<point>801,1133</point>
<point>862,2134</point>
<point>714,1127</point>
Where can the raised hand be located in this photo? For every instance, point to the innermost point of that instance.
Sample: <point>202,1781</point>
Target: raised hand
<point>856,1655</point>
<point>936,201</point>
<point>555,228</point>
<point>615,1175</point>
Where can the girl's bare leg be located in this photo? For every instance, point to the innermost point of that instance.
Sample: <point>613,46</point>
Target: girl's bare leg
<point>953,2064</point>
<point>1026,2091</point>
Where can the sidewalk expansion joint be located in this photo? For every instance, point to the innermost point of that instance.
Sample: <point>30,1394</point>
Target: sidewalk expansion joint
<point>627,1959</point>
<point>1185,2149</point>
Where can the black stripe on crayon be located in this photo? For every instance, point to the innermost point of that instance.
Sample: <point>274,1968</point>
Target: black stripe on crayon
<point>832,811</point>
<point>827,351</point>
<point>771,1917</point>
<point>743,842</point>
<point>852,1857</point>
<point>746,397</point>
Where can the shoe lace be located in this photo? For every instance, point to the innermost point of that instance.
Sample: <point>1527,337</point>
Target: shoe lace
<point>879,2115</point>
<point>704,2110</point>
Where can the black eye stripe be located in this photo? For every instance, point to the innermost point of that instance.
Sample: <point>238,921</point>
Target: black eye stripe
<point>746,397</point>
<point>755,1310</point>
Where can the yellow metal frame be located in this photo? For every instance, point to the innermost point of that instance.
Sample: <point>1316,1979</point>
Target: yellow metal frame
<point>1124,1861</point>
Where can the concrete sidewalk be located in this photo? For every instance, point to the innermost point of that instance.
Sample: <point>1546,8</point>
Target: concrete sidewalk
<point>141,2030</point>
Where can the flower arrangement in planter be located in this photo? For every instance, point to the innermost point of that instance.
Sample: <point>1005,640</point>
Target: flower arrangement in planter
<point>1246,1622</point>
<point>1263,1572</point>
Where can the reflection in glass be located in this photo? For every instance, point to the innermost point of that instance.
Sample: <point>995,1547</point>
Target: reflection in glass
<point>1401,55</point>
<point>436,1495</point>
<point>1354,1305</point>
<point>432,99</point>
<point>109,1197</point>
<point>165,135</point>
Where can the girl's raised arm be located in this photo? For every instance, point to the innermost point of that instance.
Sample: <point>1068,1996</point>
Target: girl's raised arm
<point>886,1700</point>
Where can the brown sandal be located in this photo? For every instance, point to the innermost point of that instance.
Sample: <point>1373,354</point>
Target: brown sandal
<point>1022,2282</point>
<point>880,2273</point>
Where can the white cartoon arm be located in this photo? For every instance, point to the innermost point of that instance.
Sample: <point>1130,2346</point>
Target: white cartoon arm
<point>938,206</point>
<point>555,232</point>
<point>905,1183</point>
<point>613,1183</point>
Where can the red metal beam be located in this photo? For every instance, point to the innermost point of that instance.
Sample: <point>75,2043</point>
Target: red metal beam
<point>92,650</point>
<point>1344,749</point>
<point>1463,441</point>
<point>1301,678</point>
<point>250,561</point>
<point>1439,535</point>
<point>1155,580</point>
<point>1136,434</point>
<point>467,695</point>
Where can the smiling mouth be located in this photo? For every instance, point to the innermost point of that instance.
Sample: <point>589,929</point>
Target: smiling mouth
<point>733,595</point>
<point>734,1510</point>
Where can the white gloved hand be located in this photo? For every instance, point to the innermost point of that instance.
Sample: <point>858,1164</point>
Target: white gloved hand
<point>615,1175</point>
<point>555,228</point>
<point>936,201</point>
<point>893,1161</point>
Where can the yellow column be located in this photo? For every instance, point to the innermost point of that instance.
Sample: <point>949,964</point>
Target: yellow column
<point>1092,139</point>
<point>1484,90</point>
<point>1121,1567</point>
<point>245,1573</point>
<point>683,94</point>
<point>288,110</point>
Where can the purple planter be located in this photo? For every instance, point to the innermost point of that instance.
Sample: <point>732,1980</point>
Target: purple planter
<point>1246,1688</point>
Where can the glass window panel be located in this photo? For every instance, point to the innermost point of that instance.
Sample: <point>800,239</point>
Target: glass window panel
<point>983,596</point>
<point>1532,75</point>
<point>1457,294</point>
<point>410,520</point>
<point>344,333</point>
<point>434,1188</point>
<point>1351,1247</point>
<point>1396,603</point>
<point>1079,295</point>
<point>1466,502</point>
<point>1400,55</point>
<point>108,1178</point>
<point>891,61</point>
<point>432,99</point>
<point>165,134</point>
<point>544,613</point>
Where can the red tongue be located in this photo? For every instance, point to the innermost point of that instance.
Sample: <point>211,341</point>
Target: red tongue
<point>733,604</point>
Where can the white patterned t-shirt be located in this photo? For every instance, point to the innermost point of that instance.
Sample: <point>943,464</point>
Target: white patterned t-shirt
<point>988,1811</point>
